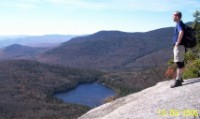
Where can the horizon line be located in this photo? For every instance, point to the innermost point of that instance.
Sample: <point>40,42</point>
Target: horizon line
<point>78,34</point>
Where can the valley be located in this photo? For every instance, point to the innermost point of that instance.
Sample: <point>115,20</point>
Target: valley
<point>125,62</point>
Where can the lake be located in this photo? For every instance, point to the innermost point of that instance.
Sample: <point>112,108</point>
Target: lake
<point>90,94</point>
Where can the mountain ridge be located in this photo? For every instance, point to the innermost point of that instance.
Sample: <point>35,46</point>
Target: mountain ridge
<point>17,51</point>
<point>106,50</point>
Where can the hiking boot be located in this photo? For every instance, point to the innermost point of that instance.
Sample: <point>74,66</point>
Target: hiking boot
<point>181,80</point>
<point>176,83</point>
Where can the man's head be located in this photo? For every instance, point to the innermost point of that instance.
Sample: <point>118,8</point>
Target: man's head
<point>177,16</point>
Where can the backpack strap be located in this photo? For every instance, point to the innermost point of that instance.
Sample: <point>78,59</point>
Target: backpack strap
<point>183,25</point>
<point>184,29</point>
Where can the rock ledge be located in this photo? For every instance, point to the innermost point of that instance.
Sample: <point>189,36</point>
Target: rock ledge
<point>159,101</point>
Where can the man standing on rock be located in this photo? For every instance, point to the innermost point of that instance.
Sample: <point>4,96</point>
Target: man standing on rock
<point>179,48</point>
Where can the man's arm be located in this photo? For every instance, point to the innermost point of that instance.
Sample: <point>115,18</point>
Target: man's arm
<point>180,36</point>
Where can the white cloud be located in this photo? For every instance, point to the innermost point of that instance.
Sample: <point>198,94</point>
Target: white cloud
<point>144,5</point>
<point>155,5</point>
<point>19,4</point>
<point>140,5</point>
<point>25,5</point>
<point>81,4</point>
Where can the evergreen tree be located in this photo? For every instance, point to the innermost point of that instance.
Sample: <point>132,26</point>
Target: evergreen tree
<point>196,26</point>
<point>193,55</point>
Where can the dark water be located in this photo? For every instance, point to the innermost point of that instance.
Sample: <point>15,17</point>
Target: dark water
<point>91,94</point>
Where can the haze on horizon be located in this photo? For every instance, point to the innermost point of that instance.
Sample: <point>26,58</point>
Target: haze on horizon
<point>41,17</point>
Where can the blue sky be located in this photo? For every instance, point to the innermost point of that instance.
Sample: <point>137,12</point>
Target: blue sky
<point>40,17</point>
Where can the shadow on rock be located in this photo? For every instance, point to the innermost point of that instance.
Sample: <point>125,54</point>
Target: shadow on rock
<point>187,82</point>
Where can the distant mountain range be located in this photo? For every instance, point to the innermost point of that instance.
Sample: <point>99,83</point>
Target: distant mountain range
<point>17,51</point>
<point>104,50</point>
<point>110,50</point>
<point>35,41</point>
<point>4,37</point>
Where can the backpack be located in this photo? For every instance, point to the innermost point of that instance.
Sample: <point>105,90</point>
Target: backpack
<point>189,37</point>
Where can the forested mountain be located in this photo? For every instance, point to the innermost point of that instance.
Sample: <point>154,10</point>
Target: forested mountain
<point>17,51</point>
<point>27,89</point>
<point>108,50</point>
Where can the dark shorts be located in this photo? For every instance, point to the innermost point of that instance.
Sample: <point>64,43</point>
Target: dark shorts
<point>180,65</point>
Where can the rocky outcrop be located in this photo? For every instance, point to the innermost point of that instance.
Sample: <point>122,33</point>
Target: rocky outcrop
<point>157,102</point>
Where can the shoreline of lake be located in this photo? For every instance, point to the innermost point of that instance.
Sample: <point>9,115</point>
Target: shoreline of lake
<point>90,98</point>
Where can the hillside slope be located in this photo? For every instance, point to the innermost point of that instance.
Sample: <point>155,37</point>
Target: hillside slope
<point>108,50</point>
<point>157,102</point>
<point>17,51</point>
<point>27,89</point>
